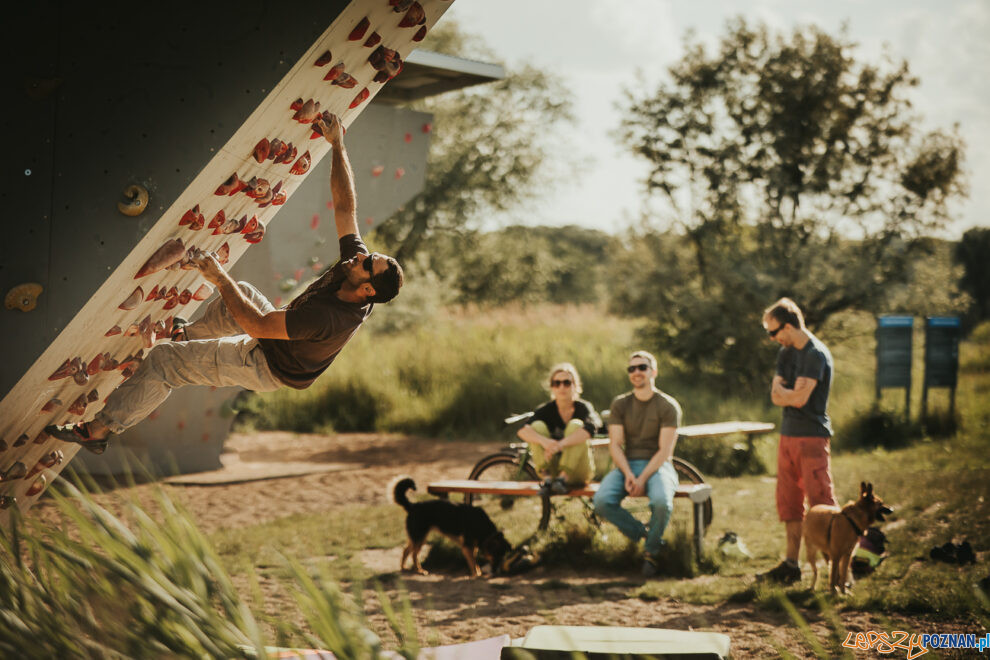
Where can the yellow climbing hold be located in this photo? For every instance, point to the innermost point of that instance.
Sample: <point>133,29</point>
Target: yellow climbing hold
<point>23,296</point>
<point>137,200</point>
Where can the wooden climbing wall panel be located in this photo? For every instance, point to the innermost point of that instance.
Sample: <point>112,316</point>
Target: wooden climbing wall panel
<point>225,208</point>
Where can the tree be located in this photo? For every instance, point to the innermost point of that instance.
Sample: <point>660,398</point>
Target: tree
<point>489,149</point>
<point>532,264</point>
<point>973,252</point>
<point>785,167</point>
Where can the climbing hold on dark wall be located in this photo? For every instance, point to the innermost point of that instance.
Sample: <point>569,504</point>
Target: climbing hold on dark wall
<point>136,200</point>
<point>23,296</point>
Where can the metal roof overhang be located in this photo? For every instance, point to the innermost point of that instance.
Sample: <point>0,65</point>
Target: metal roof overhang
<point>425,74</point>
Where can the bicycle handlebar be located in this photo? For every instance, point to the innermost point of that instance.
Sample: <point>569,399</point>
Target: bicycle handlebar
<point>512,419</point>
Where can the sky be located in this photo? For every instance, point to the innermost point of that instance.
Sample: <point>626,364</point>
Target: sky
<point>598,48</point>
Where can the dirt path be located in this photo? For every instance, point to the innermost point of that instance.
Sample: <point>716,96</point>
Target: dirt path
<point>449,607</point>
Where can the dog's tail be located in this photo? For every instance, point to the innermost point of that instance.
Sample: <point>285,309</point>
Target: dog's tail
<point>400,486</point>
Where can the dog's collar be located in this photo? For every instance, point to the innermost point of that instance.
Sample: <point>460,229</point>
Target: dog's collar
<point>859,532</point>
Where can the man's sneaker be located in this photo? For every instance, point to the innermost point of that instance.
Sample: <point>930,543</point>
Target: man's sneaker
<point>79,434</point>
<point>650,565</point>
<point>783,573</point>
<point>178,329</point>
<point>554,486</point>
<point>965,554</point>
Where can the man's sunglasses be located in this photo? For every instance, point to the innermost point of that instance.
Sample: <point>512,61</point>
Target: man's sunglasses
<point>773,333</point>
<point>633,368</point>
<point>368,263</point>
<point>560,383</point>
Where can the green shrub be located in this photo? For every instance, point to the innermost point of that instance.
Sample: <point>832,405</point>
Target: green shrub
<point>878,428</point>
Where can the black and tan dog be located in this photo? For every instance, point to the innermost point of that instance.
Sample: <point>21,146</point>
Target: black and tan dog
<point>835,531</point>
<point>468,526</point>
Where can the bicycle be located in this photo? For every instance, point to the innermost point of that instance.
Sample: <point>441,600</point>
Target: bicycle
<point>522,517</point>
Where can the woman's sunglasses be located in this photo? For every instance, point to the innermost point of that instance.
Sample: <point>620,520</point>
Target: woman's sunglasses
<point>560,383</point>
<point>633,368</point>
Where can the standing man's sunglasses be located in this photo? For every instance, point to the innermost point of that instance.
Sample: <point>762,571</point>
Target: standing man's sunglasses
<point>773,333</point>
<point>633,368</point>
<point>560,383</point>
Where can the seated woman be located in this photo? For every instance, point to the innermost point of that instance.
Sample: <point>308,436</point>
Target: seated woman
<point>559,431</point>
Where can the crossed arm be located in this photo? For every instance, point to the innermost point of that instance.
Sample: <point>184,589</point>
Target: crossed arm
<point>797,397</point>
<point>551,446</point>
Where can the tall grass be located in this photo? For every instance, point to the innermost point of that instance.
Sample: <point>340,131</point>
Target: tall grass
<point>101,587</point>
<point>465,371</point>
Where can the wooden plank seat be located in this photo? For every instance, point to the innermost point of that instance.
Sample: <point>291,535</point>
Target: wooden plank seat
<point>697,493</point>
<point>714,430</point>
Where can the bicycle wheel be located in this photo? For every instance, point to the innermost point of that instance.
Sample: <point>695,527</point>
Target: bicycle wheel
<point>689,474</point>
<point>518,517</point>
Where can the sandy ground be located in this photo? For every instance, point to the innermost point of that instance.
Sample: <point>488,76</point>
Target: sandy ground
<point>449,607</point>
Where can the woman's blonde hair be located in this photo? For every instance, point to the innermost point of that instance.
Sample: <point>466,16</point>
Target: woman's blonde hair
<point>570,369</point>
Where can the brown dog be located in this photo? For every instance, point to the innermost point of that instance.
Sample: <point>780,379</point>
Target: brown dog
<point>835,531</point>
<point>468,526</point>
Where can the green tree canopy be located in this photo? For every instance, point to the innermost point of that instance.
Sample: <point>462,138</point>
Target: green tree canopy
<point>786,167</point>
<point>532,264</point>
<point>490,148</point>
<point>973,253</point>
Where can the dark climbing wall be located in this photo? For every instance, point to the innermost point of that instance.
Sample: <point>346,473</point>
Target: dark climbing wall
<point>98,96</point>
<point>102,95</point>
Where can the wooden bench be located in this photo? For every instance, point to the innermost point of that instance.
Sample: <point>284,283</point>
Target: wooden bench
<point>697,493</point>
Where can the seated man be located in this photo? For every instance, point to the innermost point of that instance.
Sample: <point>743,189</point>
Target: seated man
<point>646,421</point>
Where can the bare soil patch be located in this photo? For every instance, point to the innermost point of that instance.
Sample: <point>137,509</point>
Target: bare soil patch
<point>449,607</point>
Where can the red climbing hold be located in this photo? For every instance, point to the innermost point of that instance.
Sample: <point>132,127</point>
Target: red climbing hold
<point>359,29</point>
<point>261,150</point>
<point>324,59</point>
<point>169,253</point>
<point>135,298</point>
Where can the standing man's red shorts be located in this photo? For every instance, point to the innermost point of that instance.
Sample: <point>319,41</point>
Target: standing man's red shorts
<point>804,467</point>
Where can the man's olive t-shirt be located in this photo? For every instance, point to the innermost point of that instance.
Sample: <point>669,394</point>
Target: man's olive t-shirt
<point>319,324</point>
<point>642,420</point>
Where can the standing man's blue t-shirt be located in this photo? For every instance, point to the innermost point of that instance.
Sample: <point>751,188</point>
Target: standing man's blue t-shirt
<point>813,361</point>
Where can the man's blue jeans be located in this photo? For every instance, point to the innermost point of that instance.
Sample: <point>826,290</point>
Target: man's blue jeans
<point>660,488</point>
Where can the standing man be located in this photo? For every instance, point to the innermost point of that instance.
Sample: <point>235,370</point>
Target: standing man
<point>800,386</point>
<point>645,421</point>
<point>243,340</point>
